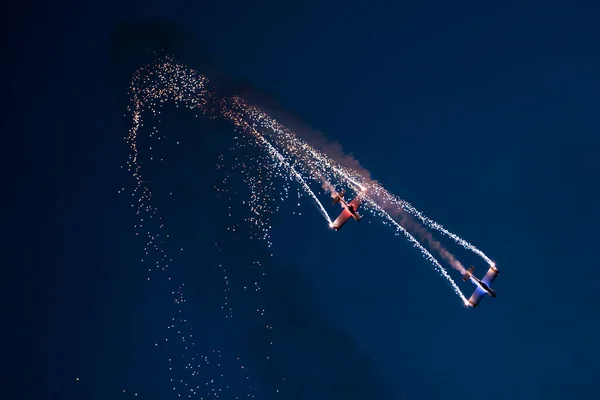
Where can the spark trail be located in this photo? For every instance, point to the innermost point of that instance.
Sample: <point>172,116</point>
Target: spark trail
<point>274,151</point>
<point>320,164</point>
<point>390,202</point>
<point>240,123</point>
<point>288,157</point>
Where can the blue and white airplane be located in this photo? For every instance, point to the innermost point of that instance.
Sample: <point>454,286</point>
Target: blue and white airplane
<point>483,286</point>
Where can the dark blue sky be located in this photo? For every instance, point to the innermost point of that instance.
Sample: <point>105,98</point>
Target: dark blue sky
<point>482,116</point>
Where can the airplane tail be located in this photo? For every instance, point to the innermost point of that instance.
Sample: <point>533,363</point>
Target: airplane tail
<point>468,274</point>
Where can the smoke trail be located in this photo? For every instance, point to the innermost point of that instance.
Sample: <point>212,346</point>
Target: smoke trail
<point>407,222</point>
<point>432,224</point>
<point>317,140</point>
<point>427,254</point>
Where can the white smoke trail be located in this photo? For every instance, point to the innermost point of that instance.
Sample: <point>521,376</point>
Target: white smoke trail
<point>438,227</point>
<point>424,251</point>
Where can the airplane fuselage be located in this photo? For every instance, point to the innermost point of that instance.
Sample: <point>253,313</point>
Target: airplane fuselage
<point>349,207</point>
<point>483,286</point>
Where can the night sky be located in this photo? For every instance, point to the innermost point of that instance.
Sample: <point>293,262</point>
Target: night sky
<point>484,117</point>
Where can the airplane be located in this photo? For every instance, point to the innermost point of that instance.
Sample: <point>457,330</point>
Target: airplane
<point>483,285</point>
<point>349,210</point>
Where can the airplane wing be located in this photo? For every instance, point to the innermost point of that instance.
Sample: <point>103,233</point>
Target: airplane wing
<point>341,220</point>
<point>490,276</point>
<point>476,296</point>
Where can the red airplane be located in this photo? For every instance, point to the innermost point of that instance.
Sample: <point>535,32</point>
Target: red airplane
<point>349,210</point>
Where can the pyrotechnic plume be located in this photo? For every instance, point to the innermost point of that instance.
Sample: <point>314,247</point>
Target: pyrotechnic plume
<point>150,88</point>
<point>288,157</point>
